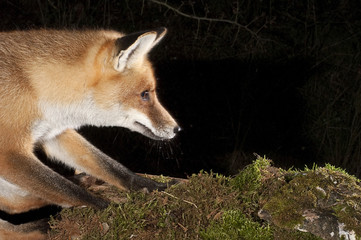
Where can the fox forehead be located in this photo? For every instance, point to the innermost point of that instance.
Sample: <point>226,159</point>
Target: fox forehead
<point>139,79</point>
<point>124,87</point>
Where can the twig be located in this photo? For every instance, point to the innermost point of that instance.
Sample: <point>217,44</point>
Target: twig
<point>181,199</point>
<point>204,18</point>
<point>183,227</point>
<point>180,180</point>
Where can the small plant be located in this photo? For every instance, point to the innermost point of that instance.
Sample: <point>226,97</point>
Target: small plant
<point>248,183</point>
<point>235,225</point>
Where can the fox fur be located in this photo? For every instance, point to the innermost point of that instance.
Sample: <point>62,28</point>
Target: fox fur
<point>52,82</point>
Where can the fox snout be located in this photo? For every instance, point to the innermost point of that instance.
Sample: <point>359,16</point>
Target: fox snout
<point>173,133</point>
<point>157,130</point>
<point>165,127</point>
<point>161,134</point>
<point>176,130</point>
<point>157,123</point>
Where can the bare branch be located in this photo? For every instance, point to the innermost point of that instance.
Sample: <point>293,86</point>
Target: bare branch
<point>240,26</point>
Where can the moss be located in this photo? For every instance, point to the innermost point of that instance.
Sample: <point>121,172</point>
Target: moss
<point>348,208</point>
<point>118,221</point>
<point>287,205</point>
<point>179,213</point>
<point>212,206</point>
<point>347,214</point>
<point>249,182</point>
<point>332,169</point>
<point>323,188</point>
<point>289,234</point>
<point>249,179</point>
<point>235,225</point>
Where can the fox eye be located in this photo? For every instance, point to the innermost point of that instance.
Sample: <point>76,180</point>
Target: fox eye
<point>145,95</point>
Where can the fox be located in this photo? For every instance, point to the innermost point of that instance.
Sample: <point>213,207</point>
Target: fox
<point>53,82</point>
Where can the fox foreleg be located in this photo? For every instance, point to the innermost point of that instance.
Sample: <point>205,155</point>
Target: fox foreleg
<point>73,150</point>
<point>32,178</point>
<point>28,231</point>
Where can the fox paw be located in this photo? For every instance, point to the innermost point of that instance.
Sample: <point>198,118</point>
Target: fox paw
<point>147,185</point>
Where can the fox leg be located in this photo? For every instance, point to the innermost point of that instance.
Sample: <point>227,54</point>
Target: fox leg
<point>14,200</point>
<point>28,231</point>
<point>72,149</point>
<point>32,180</point>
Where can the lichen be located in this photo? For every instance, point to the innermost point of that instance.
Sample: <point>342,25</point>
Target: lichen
<point>321,189</point>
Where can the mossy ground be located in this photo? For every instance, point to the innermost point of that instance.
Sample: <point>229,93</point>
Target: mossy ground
<point>324,190</point>
<point>212,206</point>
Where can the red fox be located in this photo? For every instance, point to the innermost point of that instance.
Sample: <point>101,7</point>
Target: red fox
<point>55,81</point>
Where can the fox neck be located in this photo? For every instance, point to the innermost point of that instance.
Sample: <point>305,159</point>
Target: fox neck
<point>56,118</point>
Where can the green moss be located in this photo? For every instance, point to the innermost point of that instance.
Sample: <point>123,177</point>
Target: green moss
<point>179,213</point>
<point>212,206</point>
<point>287,205</point>
<point>248,181</point>
<point>289,234</point>
<point>348,208</point>
<point>343,172</point>
<point>235,225</point>
<point>348,213</point>
<point>123,220</point>
<point>324,188</point>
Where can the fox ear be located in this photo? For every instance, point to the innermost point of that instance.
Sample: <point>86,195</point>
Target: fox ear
<point>131,49</point>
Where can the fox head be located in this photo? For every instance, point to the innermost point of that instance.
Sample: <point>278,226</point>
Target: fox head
<point>129,91</point>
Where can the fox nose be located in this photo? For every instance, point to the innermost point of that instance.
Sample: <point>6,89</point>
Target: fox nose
<point>177,129</point>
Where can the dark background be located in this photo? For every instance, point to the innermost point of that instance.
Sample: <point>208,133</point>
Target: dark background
<point>278,78</point>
